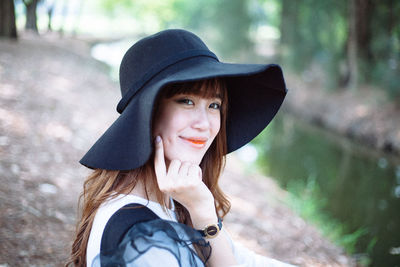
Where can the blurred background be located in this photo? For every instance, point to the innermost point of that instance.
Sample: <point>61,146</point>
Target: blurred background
<point>334,146</point>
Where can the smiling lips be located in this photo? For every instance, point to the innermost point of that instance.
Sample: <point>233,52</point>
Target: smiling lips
<point>198,142</point>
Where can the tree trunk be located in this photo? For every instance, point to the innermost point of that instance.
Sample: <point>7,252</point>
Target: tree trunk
<point>7,19</point>
<point>352,46</point>
<point>50,11</point>
<point>359,40</point>
<point>392,18</point>
<point>362,14</point>
<point>31,18</point>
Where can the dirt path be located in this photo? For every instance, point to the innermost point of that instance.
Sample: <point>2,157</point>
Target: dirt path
<point>51,94</point>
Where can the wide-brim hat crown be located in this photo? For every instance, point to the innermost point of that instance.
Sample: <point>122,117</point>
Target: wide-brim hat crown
<point>255,94</point>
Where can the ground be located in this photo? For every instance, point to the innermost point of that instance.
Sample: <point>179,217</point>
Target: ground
<point>55,101</point>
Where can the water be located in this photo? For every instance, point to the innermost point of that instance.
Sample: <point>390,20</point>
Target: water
<point>361,187</point>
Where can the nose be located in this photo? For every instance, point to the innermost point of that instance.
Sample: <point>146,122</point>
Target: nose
<point>201,119</point>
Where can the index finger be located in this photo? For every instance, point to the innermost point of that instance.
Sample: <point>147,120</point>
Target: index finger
<point>159,160</point>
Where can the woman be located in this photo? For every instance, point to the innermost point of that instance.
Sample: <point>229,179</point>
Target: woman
<point>153,198</point>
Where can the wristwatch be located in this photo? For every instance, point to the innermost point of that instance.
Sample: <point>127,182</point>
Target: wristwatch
<point>211,230</point>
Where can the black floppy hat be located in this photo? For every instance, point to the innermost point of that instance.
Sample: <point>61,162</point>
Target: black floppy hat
<point>255,94</point>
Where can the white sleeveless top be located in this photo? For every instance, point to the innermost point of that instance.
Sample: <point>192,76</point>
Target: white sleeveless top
<point>105,212</point>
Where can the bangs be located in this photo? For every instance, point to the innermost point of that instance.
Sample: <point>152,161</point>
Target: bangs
<point>210,88</point>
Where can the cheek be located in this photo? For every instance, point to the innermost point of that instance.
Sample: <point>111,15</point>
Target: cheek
<point>162,122</point>
<point>215,125</point>
<point>164,131</point>
<point>167,128</point>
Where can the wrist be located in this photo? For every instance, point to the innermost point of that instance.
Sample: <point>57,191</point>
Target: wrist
<point>199,222</point>
<point>203,216</point>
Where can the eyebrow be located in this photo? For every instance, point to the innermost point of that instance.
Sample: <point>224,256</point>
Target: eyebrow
<point>215,98</point>
<point>219,96</point>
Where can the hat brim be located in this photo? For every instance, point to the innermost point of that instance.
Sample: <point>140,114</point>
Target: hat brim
<point>255,94</point>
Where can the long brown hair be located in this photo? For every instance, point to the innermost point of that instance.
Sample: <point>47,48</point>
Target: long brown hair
<point>103,185</point>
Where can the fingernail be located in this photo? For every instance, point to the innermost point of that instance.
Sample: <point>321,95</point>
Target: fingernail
<point>158,139</point>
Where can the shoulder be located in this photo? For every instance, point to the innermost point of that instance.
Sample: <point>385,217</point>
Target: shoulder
<point>121,221</point>
<point>114,208</point>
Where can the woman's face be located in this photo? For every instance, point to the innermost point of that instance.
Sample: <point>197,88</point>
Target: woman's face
<point>187,124</point>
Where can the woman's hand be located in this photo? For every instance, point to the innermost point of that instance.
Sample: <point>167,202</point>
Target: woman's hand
<point>183,182</point>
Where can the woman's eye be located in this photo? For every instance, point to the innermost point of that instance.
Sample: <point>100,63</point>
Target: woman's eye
<point>185,101</point>
<point>215,106</point>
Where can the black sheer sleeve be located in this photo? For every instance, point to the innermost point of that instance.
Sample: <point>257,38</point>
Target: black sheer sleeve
<point>120,222</point>
<point>135,236</point>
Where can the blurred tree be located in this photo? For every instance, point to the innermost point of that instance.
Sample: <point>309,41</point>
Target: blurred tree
<point>162,12</point>
<point>289,18</point>
<point>359,39</point>
<point>7,19</point>
<point>64,13</point>
<point>50,10</point>
<point>313,33</point>
<point>353,42</point>
<point>232,22</point>
<point>31,18</point>
<point>225,23</point>
<point>385,47</point>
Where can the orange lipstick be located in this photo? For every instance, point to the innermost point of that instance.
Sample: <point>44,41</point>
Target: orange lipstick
<point>197,142</point>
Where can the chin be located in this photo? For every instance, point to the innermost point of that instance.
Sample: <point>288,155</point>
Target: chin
<point>185,158</point>
<point>192,161</point>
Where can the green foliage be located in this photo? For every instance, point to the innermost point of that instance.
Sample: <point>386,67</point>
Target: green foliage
<point>266,12</point>
<point>162,11</point>
<point>232,23</point>
<point>306,199</point>
<point>314,32</point>
<point>225,22</point>
<point>317,33</point>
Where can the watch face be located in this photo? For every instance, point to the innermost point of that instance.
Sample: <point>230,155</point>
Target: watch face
<point>212,230</point>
